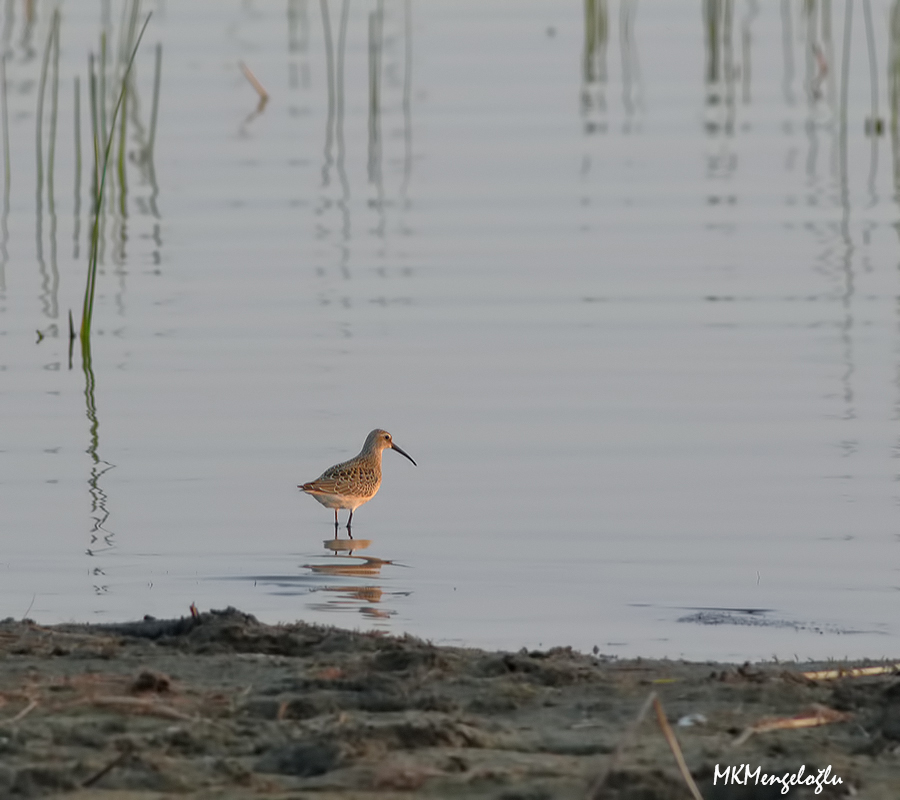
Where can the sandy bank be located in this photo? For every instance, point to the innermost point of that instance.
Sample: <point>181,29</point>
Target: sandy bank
<point>224,706</point>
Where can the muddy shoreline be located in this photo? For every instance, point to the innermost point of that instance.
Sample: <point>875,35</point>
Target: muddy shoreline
<point>222,705</point>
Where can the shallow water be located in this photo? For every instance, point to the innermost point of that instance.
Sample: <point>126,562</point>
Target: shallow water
<point>630,303</point>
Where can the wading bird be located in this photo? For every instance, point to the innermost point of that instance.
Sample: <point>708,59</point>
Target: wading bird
<point>354,482</point>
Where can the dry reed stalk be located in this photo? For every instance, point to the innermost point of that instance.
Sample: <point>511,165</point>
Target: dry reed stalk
<point>676,749</point>
<point>854,672</point>
<point>817,715</point>
<point>596,790</point>
<point>260,90</point>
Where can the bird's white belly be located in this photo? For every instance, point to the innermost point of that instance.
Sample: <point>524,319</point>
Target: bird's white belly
<point>351,501</point>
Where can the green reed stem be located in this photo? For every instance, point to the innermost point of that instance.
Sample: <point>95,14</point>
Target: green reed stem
<point>88,309</point>
<point>92,261</point>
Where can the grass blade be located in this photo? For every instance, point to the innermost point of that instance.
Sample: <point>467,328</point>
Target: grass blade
<point>92,261</point>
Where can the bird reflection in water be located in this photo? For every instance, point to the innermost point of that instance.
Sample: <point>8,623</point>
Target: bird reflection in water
<point>345,564</point>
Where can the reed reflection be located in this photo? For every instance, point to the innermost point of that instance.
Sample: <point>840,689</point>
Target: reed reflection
<point>101,540</point>
<point>298,26</point>
<point>146,159</point>
<point>894,89</point>
<point>631,70</point>
<point>720,72</point>
<point>144,154</point>
<point>7,178</point>
<point>407,104</point>
<point>874,125</point>
<point>842,135</point>
<point>49,280</point>
<point>379,70</point>
<point>750,14</point>
<point>819,53</point>
<point>25,43</point>
<point>816,25</point>
<point>329,78</point>
<point>827,180</point>
<point>9,18</point>
<point>376,54</point>
<point>340,161</point>
<point>122,83</point>
<point>594,71</point>
<point>594,97</point>
<point>334,133</point>
<point>720,100</point>
<point>76,208</point>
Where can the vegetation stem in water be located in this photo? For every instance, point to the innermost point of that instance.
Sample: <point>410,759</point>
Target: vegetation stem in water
<point>98,204</point>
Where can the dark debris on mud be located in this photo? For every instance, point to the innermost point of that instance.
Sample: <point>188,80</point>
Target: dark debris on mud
<point>221,705</point>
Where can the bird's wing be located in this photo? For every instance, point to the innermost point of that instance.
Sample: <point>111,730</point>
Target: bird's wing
<point>344,478</point>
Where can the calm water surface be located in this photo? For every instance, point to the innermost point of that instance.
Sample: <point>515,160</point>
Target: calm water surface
<point>622,278</point>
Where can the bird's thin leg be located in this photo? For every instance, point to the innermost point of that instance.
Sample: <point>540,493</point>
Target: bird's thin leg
<point>335,524</point>
<point>348,524</point>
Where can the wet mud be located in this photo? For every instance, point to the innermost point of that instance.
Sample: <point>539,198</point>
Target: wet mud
<point>221,706</point>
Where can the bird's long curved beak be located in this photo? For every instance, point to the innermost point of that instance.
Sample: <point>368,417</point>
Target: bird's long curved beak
<point>403,453</point>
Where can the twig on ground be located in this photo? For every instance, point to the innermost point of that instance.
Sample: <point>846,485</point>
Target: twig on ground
<point>25,711</point>
<point>855,672</point>
<point>817,715</point>
<point>138,705</point>
<point>596,790</point>
<point>675,748</point>
<point>127,751</point>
